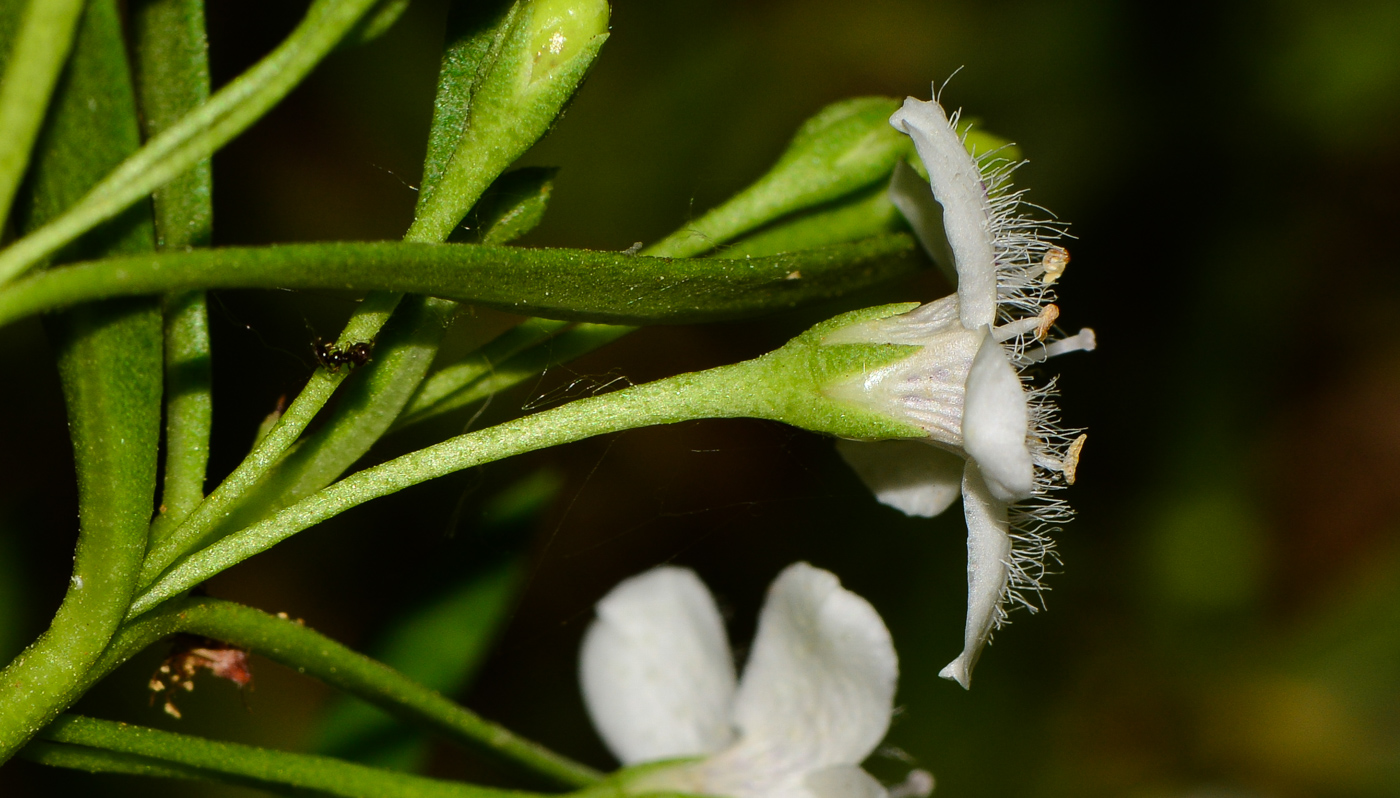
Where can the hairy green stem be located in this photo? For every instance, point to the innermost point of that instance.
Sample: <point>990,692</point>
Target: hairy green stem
<point>197,135</point>
<point>248,764</point>
<point>718,393</point>
<point>110,363</point>
<point>313,654</point>
<point>321,658</point>
<point>36,59</point>
<point>171,68</point>
<point>579,285</point>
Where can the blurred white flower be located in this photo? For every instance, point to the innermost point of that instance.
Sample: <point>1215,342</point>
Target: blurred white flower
<point>815,699</point>
<point>995,437</point>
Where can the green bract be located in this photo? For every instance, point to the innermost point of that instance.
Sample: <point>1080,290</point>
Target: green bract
<point>848,146</point>
<point>511,82</point>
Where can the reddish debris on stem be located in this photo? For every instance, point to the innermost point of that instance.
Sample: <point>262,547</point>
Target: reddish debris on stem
<point>192,654</point>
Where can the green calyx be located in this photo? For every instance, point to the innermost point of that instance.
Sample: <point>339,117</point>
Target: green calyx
<point>790,383</point>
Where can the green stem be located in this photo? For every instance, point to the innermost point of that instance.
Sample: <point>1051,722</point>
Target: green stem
<point>319,657</point>
<point>96,760</point>
<point>197,135</point>
<point>249,764</point>
<point>580,285</point>
<point>189,407</point>
<point>213,511</point>
<point>171,70</point>
<point>718,393</point>
<point>110,378</point>
<point>36,59</point>
<point>313,654</point>
<point>110,364</point>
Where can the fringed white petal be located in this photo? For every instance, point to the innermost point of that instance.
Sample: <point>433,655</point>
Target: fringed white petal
<point>996,419</point>
<point>818,689</point>
<point>913,196</point>
<point>967,212</point>
<point>656,669</point>
<point>911,476</point>
<point>988,571</point>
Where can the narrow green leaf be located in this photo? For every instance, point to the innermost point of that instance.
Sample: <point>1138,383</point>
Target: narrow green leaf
<point>197,135</point>
<point>376,23</point>
<point>847,146</point>
<point>484,361</point>
<point>861,215</point>
<point>513,206</point>
<point>578,285</point>
<point>440,645</point>
<point>109,362</point>
<point>474,381</point>
<point>43,39</point>
<point>471,30</point>
<point>171,66</point>
<point>260,766</point>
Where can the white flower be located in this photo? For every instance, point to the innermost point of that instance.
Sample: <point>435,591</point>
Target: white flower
<point>815,699</point>
<point>995,437</point>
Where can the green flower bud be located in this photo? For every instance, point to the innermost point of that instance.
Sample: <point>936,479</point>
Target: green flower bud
<point>501,89</point>
<point>561,29</point>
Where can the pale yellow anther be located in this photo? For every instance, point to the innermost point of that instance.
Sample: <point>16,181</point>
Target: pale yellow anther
<point>1071,462</point>
<point>1048,314</point>
<point>1054,263</point>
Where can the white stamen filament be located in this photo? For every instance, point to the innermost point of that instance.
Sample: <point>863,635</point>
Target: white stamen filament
<point>1082,341</point>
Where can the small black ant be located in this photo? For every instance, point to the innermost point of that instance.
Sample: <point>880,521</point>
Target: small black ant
<point>332,357</point>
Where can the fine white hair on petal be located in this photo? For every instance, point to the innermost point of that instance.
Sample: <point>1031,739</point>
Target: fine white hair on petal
<point>958,185</point>
<point>996,421</point>
<point>988,572</point>
<point>818,689</point>
<point>656,669</point>
<point>913,477</point>
<point>913,196</point>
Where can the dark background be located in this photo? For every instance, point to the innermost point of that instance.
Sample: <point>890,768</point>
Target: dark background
<point>1227,619</point>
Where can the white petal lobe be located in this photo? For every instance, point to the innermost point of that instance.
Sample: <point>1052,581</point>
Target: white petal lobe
<point>818,689</point>
<point>996,420</point>
<point>988,571</point>
<point>967,211</point>
<point>656,670</point>
<point>911,476</point>
<point>913,196</point>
